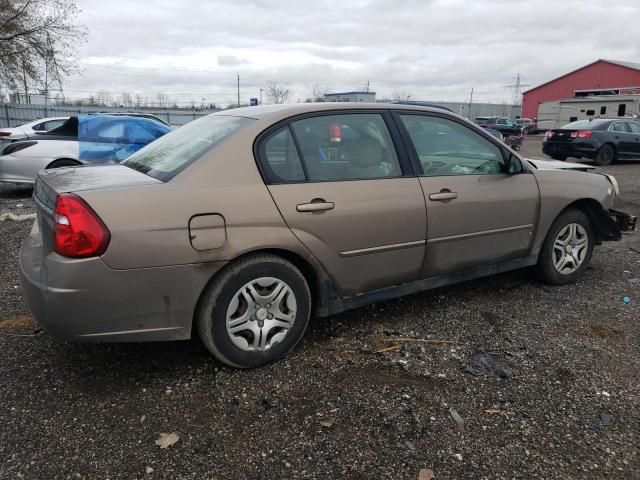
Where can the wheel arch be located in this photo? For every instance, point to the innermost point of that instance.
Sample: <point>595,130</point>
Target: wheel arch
<point>63,159</point>
<point>604,228</point>
<point>320,285</point>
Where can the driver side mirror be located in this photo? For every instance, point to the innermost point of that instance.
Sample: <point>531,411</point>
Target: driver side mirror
<point>513,164</point>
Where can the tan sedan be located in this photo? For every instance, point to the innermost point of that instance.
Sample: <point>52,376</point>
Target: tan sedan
<point>245,224</point>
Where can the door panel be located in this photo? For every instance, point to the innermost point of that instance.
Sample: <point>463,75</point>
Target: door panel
<point>477,214</point>
<point>373,237</point>
<point>492,219</point>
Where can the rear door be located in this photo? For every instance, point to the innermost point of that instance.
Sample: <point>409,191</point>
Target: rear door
<point>634,128</point>
<point>477,213</point>
<point>623,139</point>
<point>348,194</point>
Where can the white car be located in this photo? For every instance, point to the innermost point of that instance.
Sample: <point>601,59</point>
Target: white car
<point>87,139</point>
<point>28,130</point>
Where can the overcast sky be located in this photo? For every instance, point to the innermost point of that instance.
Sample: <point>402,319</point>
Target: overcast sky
<point>429,49</point>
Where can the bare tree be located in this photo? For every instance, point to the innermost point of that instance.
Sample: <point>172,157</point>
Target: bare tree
<point>162,99</point>
<point>318,92</point>
<point>401,95</point>
<point>38,42</point>
<point>104,98</point>
<point>277,93</point>
<point>126,100</point>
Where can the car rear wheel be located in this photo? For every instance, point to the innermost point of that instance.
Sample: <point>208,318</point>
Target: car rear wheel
<point>567,249</point>
<point>255,312</point>
<point>605,155</point>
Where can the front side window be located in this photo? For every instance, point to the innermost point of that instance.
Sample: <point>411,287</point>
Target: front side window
<point>346,147</point>
<point>634,127</point>
<point>445,147</point>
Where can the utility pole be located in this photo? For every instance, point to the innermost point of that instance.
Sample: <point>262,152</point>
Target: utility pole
<point>261,96</point>
<point>470,103</point>
<point>367,86</point>
<point>238,90</point>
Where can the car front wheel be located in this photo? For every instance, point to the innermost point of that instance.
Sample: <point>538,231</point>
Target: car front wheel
<point>255,312</point>
<point>567,249</point>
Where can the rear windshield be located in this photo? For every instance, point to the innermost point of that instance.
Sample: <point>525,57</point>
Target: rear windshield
<point>583,125</point>
<point>169,155</point>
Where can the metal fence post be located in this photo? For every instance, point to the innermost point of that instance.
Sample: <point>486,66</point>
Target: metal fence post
<point>6,114</point>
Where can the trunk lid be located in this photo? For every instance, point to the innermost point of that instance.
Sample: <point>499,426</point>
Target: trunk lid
<point>560,135</point>
<point>50,183</point>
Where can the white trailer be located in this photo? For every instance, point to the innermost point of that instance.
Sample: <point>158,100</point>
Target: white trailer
<point>558,113</point>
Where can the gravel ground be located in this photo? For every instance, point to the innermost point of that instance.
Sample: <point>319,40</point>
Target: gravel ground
<point>338,407</point>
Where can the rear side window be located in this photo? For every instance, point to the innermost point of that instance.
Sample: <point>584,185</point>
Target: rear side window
<point>346,147</point>
<point>282,163</point>
<point>618,127</point>
<point>172,153</point>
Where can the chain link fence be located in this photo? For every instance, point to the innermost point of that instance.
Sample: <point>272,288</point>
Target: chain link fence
<point>12,114</point>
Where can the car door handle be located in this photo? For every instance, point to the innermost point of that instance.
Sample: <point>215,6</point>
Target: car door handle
<point>443,195</point>
<point>316,205</point>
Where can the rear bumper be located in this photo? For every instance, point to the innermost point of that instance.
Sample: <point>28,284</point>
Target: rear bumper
<point>573,149</point>
<point>85,300</point>
<point>624,221</point>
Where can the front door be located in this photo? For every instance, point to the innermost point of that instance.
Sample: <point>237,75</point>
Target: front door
<point>340,186</point>
<point>477,213</point>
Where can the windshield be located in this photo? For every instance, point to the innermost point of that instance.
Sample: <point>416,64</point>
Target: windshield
<point>169,155</point>
<point>583,125</point>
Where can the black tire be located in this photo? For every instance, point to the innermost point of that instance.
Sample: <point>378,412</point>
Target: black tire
<point>65,162</point>
<point>606,155</point>
<point>561,158</point>
<point>211,314</point>
<point>545,269</point>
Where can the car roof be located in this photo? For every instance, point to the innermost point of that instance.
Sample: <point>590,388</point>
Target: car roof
<point>264,112</point>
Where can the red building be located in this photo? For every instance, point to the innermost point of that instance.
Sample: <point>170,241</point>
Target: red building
<point>601,74</point>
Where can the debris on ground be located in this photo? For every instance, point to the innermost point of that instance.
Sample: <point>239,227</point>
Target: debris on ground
<point>458,419</point>
<point>326,423</point>
<point>17,218</point>
<point>605,418</point>
<point>165,440</point>
<point>491,364</point>
<point>426,474</point>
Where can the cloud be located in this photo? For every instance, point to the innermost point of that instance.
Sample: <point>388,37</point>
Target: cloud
<point>230,61</point>
<point>433,49</point>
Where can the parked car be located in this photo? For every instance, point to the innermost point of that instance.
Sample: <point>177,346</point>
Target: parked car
<point>133,114</point>
<point>602,140</point>
<point>83,140</point>
<point>528,125</point>
<point>502,124</point>
<point>24,132</point>
<point>243,226</point>
<point>495,133</point>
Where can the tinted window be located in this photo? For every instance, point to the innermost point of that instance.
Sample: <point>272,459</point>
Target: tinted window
<point>622,108</point>
<point>51,124</point>
<point>634,127</point>
<point>603,110</point>
<point>445,147</point>
<point>144,133</point>
<point>281,162</point>
<point>40,127</point>
<point>346,147</point>
<point>591,112</point>
<point>584,125</point>
<point>618,127</point>
<point>170,154</point>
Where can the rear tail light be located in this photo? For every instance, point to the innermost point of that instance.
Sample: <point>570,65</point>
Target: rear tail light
<point>548,134</point>
<point>5,134</point>
<point>581,134</point>
<point>16,147</point>
<point>79,232</point>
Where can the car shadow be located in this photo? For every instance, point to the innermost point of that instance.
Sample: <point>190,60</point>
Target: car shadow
<point>15,192</point>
